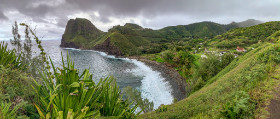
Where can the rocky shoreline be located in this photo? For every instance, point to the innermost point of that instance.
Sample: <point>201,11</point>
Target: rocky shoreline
<point>176,81</point>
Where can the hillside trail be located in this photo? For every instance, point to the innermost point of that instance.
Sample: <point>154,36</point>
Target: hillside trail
<point>274,106</point>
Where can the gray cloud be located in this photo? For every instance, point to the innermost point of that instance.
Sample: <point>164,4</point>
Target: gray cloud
<point>151,13</point>
<point>202,9</point>
<point>195,8</point>
<point>2,16</point>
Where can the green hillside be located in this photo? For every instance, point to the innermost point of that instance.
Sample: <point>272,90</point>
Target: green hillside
<point>245,36</point>
<point>125,45</point>
<point>245,86</point>
<point>80,33</point>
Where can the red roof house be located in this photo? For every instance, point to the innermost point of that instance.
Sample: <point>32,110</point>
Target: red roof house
<point>238,49</point>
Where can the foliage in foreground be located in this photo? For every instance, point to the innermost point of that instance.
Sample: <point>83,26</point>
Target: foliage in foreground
<point>8,58</point>
<point>15,86</point>
<point>70,95</point>
<point>7,111</point>
<point>240,107</point>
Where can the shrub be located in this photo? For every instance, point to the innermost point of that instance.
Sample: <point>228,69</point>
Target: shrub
<point>135,95</point>
<point>8,110</point>
<point>8,58</point>
<point>239,108</point>
<point>209,67</point>
<point>15,85</point>
<point>167,56</point>
<point>161,108</point>
<point>226,59</point>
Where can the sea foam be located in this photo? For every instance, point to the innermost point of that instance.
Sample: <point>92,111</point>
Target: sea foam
<point>154,87</point>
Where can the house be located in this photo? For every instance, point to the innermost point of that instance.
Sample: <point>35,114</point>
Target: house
<point>203,56</point>
<point>221,53</point>
<point>238,49</point>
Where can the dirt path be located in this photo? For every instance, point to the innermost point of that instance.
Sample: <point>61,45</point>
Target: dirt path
<point>274,106</point>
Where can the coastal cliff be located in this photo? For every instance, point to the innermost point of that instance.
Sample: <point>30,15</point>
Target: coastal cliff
<point>132,39</point>
<point>78,33</point>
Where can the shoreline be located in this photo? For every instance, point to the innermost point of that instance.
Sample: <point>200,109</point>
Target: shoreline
<point>176,81</point>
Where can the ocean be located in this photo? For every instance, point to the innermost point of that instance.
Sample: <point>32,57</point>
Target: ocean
<point>128,72</point>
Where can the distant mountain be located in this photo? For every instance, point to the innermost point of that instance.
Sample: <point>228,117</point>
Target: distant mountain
<point>132,39</point>
<point>133,26</point>
<point>195,30</point>
<point>249,22</point>
<point>245,36</point>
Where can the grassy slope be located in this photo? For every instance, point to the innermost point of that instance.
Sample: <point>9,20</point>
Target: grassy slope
<point>247,73</point>
<point>146,38</point>
<point>245,36</point>
<point>123,43</point>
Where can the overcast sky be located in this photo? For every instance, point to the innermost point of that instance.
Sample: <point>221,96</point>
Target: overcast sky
<point>50,16</point>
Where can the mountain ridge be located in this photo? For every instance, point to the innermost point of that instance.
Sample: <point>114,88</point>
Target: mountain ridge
<point>81,33</point>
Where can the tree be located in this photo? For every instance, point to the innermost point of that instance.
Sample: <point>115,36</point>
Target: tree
<point>226,59</point>
<point>16,41</point>
<point>27,44</point>
<point>209,66</point>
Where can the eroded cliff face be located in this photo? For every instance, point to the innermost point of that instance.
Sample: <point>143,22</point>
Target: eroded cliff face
<point>108,47</point>
<point>68,44</point>
<point>78,33</point>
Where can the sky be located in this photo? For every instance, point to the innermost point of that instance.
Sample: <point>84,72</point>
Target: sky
<point>49,17</point>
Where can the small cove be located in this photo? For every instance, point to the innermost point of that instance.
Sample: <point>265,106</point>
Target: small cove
<point>128,72</point>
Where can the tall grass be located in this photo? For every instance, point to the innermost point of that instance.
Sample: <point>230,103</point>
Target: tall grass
<point>8,110</point>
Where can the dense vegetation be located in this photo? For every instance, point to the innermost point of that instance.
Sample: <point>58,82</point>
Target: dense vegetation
<point>246,36</point>
<point>238,91</point>
<point>222,86</point>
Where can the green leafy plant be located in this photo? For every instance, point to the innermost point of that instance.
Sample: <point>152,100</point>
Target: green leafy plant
<point>240,107</point>
<point>8,58</point>
<point>162,108</point>
<point>71,95</point>
<point>8,110</point>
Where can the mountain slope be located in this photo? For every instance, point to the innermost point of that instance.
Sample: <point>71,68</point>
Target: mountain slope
<point>195,30</point>
<point>246,79</point>
<point>249,22</point>
<point>117,44</point>
<point>245,36</point>
<point>79,32</point>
